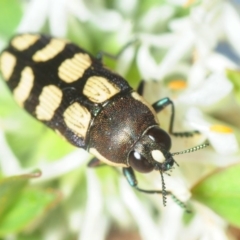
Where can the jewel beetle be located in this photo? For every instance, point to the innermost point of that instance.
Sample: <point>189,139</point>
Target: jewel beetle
<point>92,107</point>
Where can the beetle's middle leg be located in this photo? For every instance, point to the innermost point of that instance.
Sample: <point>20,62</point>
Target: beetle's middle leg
<point>115,56</point>
<point>163,103</point>
<point>160,105</point>
<point>93,163</point>
<point>132,180</point>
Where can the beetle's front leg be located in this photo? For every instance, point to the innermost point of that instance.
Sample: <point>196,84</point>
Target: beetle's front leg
<point>160,105</point>
<point>132,180</point>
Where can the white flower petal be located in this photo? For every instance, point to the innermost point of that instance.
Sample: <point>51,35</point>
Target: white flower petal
<point>175,53</point>
<point>128,7</point>
<point>95,224</point>
<point>117,211</point>
<point>8,162</point>
<point>208,225</point>
<point>52,233</point>
<point>58,17</point>
<point>125,60</point>
<point>219,63</point>
<point>34,17</point>
<point>75,220</point>
<point>110,20</point>
<point>207,29</point>
<point>146,63</point>
<point>197,120</point>
<point>79,9</point>
<point>124,34</point>
<point>231,22</point>
<point>165,40</point>
<point>212,90</point>
<point>107,20</point>
<point>180,25</point>
<point>66,164</point>
<point>156,15</point>
<point>178,2</point>
<point>221,137</point>
<point>172,218</point>
<point>145,223</point>
<point>197,74</point>
<point>223,142</point>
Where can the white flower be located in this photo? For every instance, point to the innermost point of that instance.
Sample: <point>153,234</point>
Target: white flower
<point>191,71</point>
<point>57,13</point>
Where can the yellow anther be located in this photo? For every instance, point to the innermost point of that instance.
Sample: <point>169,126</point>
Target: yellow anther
<point>220,129</point>
<point>188,3</point>
<point>177,84</point>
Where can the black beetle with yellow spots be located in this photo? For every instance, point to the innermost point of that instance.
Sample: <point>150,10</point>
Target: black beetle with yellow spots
<point>92,107</point>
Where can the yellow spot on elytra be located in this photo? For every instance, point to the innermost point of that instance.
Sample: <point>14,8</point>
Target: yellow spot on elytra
<point>220,129</point>
<point>72,69</point>
<point>7,64</point>
<point>22,42</point>
<point>49,100</point>
<point>99,89</point>
<point>177,84</point>
<point>22,91</point>
<point>54,47</point>
<point>77,118</point>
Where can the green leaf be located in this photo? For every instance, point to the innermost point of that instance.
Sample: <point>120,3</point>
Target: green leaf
<point>32,204</point>
<point>10,15</point>
<point>234,77</point>
<point>221,192</point>
<point>10,188</point>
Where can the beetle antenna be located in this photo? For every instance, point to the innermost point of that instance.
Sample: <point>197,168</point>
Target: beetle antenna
<point>199,147</point>
<point>164,192</point>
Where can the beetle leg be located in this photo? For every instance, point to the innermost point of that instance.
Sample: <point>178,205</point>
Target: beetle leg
<point>132,180</point>
<point>160,105</point>
<point>115,56</point>
<point>140,87</point>
<point>95,163</point>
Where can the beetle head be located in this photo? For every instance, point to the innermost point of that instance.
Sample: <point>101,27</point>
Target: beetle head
<point>151,152</point>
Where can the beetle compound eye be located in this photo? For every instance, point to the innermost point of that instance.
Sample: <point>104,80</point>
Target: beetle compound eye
<point>139,163</point>
<point>160,136</point>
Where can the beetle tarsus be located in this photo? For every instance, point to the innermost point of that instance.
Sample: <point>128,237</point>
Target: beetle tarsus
<point>180,203</point>
<point>185,134</point>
